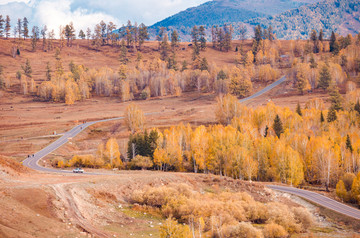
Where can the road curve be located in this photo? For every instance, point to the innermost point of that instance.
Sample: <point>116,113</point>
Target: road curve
<point>33,161</point>
<point>264,90</point>
<point>320,200</point>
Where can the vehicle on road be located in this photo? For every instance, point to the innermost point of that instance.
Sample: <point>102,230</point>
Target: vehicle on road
<point>78,170</point>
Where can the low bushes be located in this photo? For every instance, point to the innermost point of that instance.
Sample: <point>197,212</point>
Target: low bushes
<point>223,214</point>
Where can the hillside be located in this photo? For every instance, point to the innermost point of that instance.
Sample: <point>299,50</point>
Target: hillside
<point>218,12</point>
<point>340,16</point>
<point>208,14</point>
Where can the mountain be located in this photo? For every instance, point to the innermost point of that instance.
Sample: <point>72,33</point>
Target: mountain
<point>218,12</point>
<point>340,16</point>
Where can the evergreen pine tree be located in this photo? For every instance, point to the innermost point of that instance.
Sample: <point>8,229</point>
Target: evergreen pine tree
<point>81,34</point>
<point>202,36</point>
<point>1,26</point>
<point>348,143</point>
<point>332,41</point>
<point>204,64</point>
<point>35,37</point>
<point>334,44</point>
<point>277,126</point>
<point>298,109</point>
<point>171,62</point>
<point>266,131</point>
<point>195,53</point>
<point>357,106</point>
<point>164,48</point>
<point>27,68</point>
<point>184,65</point>
<point>25,28</point>
<point>322,119</point>
<point>143,34</point>
<point>195,36</point>
<point>7,27</point>
<point>325,77</point>
<point>335,98</point>
<point>174,39</point>
<point>313,63</point>
<point>19,28</point>
<point>221,75</point>
<point>123,53</point>
<point>48,71</point>
<point>331,115</point>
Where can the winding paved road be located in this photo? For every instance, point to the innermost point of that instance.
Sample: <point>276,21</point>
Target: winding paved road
<point>264,90</point>
<point>321,200</point>
<point>33,161</point>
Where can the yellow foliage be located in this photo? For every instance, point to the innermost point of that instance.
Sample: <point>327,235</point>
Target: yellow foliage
<point>273,230</point>
<point>172,229</point>
<point>134,118</point>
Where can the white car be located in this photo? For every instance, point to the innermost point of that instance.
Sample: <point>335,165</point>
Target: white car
<point>78,170</point>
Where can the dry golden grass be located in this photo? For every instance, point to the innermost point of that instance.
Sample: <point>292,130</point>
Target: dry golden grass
<point>10,166</point>
<point>83,53</point>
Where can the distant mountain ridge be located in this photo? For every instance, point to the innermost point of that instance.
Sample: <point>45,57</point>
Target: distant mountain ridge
<point>218,12</point>
<point>340,16</point>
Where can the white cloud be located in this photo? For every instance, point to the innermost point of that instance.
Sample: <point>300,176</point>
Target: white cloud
<point>54,13</point>
<point>87,13</point>
<point>2,2</point>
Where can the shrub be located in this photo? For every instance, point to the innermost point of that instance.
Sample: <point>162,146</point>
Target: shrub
<point>221,212</point>
<point>280,214</point>
<point>142,162</point>
<point>145,94</point>
<point>273,230</point>
<point>174,230</point>
<point>341,190</point>
<point>86,161</point>
<point>303,217</point>
<point>242,230</point>
<point>348,179</point>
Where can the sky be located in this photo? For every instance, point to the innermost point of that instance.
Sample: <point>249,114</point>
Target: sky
<point>87,13</point>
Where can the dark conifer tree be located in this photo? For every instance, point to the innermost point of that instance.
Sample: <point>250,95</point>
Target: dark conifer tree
<point>266,131</point>
<point>7,27</point>
<point>277,126</point>
<point>331,115</point>
<point>325,77</point>
<point>202,39</point>
<point>357,106</point>
<point>348,143</point>
<point>2,21</point>
<point>174,39</point>
<point>25,28</point>
<point>27,68</point>
<point>298,109</point>
<point>322,119</point>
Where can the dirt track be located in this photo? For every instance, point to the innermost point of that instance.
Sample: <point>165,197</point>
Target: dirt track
<point>73,213</point>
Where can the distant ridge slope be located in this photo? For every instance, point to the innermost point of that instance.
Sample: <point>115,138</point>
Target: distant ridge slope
<point>207,14</point>
<point>340,16</point>
<point>218,12</point>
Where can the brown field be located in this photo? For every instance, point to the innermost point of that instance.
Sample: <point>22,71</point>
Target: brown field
<point>83,53</point>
